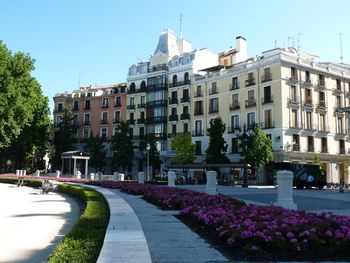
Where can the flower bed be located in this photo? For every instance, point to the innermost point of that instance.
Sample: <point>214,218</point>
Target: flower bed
<point>261,232</point>
<point>63,179</point>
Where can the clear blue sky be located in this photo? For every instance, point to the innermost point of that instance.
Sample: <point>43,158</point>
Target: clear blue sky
<point>96,41</point>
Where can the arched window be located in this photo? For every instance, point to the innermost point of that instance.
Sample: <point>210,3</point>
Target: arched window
<point>132,87</point>
<point>186,77</point>
<point>174,80</point>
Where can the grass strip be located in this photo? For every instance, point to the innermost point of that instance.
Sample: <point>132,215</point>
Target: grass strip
<point>84,242</point>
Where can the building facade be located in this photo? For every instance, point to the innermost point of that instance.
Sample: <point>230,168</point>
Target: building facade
<point>96,110</point>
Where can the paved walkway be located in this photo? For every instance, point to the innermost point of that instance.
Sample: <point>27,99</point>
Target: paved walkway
<point>31,224</point>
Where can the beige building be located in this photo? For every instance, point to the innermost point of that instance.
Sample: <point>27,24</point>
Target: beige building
<point>295,99</point>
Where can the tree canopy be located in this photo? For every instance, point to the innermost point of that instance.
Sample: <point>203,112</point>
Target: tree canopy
<point>216,151</point>
<point>24,111</point>
<point>123,148</point>
<point>256,148</point>
<point>184,148</point>
<point>97,152</point>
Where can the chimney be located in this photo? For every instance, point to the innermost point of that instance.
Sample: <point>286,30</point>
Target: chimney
<point>241,47</point>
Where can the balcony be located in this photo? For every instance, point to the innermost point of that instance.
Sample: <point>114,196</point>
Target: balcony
<point>268,125</point>
<point>157,103</point>
<point>214,110</point>
<point>198,94</point>
<point>341,150</point>
<point>324,129</point>
<point>235,106</point>
<point>295,126</point>
<point>267,99</point>
<point>308,102</point>
<point>87,107</point>
<point>293,78</point>
<point>156,87</point>
<point>157,68</point>
<point>307,82</point>
<point>250,82</point>
<point>75,109</point>
<point>158,119</point>
<point>266,77</point>
<point>173,101</point>
<point>321,84</point>
<point>174,117</point>
<point>104,106</point>
<point>198,112</point>
<point>103,121</point>
<point>141,121</point>
<point>86,123</point>
<point>321,104</point>
<point>310,127</point>
<point>185,99</point>
<point>184,116</point>
<point>347,94</point>
<point>296,147</point>
<point>324,149</point>
<point>134,91</point>
<point>294,100</point>
<point>131,121</point>
<point>197,133</point>
<point>233,129</point>
<point>250,103</point>
<point>141,105</point>
<point>179,83</point>
<point>310,148</point>
<point>117,104</point>
<point>337,92</point>
<point>58,110</point>
<point>234,86</point>
<point>116,120</point>
<point>131,107</point>
<point>213,92</point>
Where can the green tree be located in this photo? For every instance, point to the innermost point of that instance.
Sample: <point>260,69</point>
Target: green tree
<point>216,151</point>
<point>184,148</point>
<point>317,159</point>
<point>97,152</point>
<point>64,137</point>
<point>123,148</point>
<point>24,111</point>
<point>256,148</point>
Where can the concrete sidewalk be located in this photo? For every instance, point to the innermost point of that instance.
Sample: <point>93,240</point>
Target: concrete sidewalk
<point>32,224</point>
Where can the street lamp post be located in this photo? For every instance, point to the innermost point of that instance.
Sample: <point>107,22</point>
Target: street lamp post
<point>243,136</point>
<point>148,147</point>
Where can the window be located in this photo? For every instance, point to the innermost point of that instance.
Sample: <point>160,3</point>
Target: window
<point>198,108</point>
<point>103,132</point>
<point>174,80</point>
<point>76,105</point>
<point>86,119</point>
<point>105,103</point>
<point>235,103</point>
<point>198,147</point>
<point>293,73</point>
<point>251,100</point>
<point>104,118</point>
<point>340,125</point>
<point>338,84</point>
<point>267,94</point>
<point>322,122</point>
<point>186,78</point>
<point>310,143</point>
<point>115,131</point>
<point>185,95</point>
<point>185,127</point>
<point>118,101</point>
<point>143,100</point>
<point>341,146</point>
<point>174,95</point>
<point>293,93</point>
<point>75,120</point>
<point>132,87</point>
<point>58,120</point>
<point>321,99</point>
<point>142,115</point>
<point>268,119</point>
<point>213,88</point>
<point>142,132</point>
<point>308,120</point>
<point>198,91</point>
<point>143,85</point>
<point>214,105</point>
<point>267,75</point>
<point>132,102</point>
<point>234,144</point>
<point>116,116</point>
<point>59,107</point>
<point>296,142</point>
<point>185,109</point>
<point>251,120</point>
<point>86,134</point>
<point>321,81</point>
<point>307,76</point>
<point>324,145</point>
<point>198,128</point>
<point>308,96</point>
<point>131,116</point>
<point>294,119</point>
<point>173,129</point>
<point>338,101</point>
<point>235,83</point>
<point>87,104</point>
<point>235,122</point>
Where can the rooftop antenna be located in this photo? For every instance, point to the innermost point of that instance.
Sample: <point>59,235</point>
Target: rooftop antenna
<point>299,39</point>
<point>341,47</point>
<point>181,16</point>
<point>275,43</point>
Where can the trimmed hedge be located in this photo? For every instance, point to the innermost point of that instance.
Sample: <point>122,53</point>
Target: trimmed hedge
<point>84,242</point>
<point>27,182</point>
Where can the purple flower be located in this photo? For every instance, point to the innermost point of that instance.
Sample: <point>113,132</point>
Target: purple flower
<point>290,235</point>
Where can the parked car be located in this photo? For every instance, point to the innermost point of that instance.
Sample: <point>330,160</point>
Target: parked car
<point>305,175</point>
